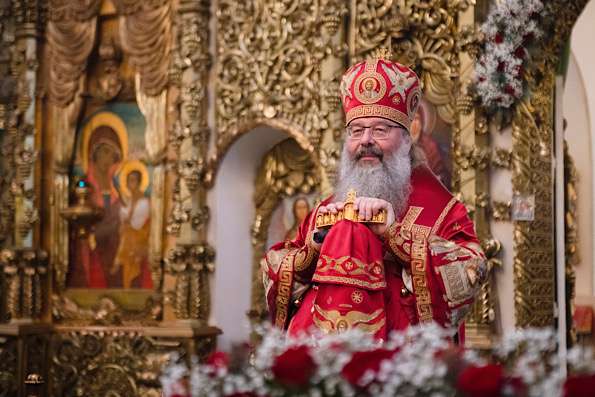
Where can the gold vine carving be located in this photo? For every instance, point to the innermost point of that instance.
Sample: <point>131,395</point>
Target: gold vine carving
<point>269,59</point>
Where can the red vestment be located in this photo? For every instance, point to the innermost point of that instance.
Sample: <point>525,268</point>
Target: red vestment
<point>427,267</point>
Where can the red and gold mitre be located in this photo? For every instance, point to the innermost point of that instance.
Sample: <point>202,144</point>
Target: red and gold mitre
<point>380,88</point>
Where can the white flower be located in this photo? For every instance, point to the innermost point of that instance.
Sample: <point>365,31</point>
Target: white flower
<point>496,73</point>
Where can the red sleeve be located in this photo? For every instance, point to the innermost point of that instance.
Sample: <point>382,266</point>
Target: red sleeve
<point>287,269</point>
<point>457,267</point>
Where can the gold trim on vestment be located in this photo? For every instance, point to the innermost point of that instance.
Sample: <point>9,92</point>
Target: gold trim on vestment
<point>456,282</point>
<point>334,321</point>
<point>349,281</point>
<point>443,214</point>
<point>373,271</point>
<point>419,255</point>
<point>304,258</point>
<point>397,240</point>
<point>376,110</point>
<point>284,289</point>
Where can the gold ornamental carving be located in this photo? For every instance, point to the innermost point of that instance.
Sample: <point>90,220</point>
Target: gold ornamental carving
<point>189,133</point>
<point>502,158</point>
<point>23,358</point>
<point>191,266</point>
<point>501,211</point>
<point>571,230</point>
<point>23,277</point>
<point>18,68</point>
<point>532,127</point>
<point>113,362</point>
<point>9,362</point>
<point>269,60</point>
<point>106,311</point>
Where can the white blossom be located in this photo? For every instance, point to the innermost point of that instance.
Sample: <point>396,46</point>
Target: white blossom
<point>498,83</point>
<point>415,369</point>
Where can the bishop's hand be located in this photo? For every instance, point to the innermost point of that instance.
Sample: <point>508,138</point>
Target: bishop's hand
<point>332,208</point>
<point>367,207</point>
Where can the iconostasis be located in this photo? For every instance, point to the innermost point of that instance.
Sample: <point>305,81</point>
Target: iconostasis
<point>152,151</point>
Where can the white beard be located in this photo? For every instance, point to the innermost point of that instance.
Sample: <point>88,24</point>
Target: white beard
<point>390,180</point>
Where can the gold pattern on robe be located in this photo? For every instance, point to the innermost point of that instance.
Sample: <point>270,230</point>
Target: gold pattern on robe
<point>462,278</point>
<point>453,251</point>
<point>333,321</point>
<point>344,269</point>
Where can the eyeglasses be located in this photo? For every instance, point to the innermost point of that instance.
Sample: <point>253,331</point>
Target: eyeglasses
<point>377,131</point>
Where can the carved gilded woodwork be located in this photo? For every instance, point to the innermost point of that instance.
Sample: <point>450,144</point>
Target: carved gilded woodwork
<point>502,158</point>
<point>24,349</point>
<point>277,65</point>
<point>286,170</point>
<point>18,210</point>
<point>189,132</point>
<point>106,311</point>
<point>532,134</point>
<point>191,264</point>
<point>24,282</point>
<point>501,211</point>
<point>571,229</point>
<point>9,359</point>
<point>118,362</point>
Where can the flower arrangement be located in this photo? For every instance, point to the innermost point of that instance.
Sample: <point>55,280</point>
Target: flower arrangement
<point>420,361</point>
<point>512,26</point>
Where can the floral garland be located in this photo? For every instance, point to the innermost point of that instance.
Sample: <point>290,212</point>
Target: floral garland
<point>418,362</point>
<point>511,28</point>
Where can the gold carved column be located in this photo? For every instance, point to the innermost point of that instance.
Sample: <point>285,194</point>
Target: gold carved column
<point>190,262</point>
<point>532,157</point>
<point>23,266</point>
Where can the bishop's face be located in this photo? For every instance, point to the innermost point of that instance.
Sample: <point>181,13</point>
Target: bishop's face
<point>371,139</point>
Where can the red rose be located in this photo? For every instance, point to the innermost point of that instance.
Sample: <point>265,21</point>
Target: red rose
<point>518,386</point>
<point>508,89</point>
<point>294,367</point>
<point>179,389</point>
<point>486,381</point>
<point>579,386</point>
<point>218,360</point>
<point>501,66</point>
<point>361,362</point>
<point>519,52</point>
<point>498,38</point>
<point>528,38</point>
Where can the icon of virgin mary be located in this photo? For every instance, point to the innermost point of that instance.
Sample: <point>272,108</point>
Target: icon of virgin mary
<point>94,256</point>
